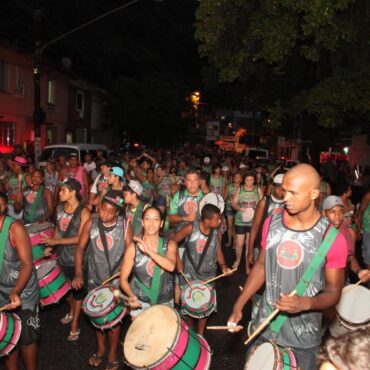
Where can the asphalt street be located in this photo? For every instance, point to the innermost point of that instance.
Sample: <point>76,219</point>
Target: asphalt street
<point>56,353</point>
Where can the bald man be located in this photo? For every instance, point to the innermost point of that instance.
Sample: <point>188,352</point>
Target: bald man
<point>290,240</point>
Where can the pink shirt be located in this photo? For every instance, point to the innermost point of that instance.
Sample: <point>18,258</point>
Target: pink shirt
<point>336,258</point>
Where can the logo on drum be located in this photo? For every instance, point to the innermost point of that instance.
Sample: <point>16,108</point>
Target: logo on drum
<point>100,245</point>
<point>31,196</point>
<point>289,254</point>
<point>63,223</point>
<point>201,243</point>
<point>190,207</point>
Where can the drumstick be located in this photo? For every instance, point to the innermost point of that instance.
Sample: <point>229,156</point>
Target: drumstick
<point>223,327</point>
<point>6,307</point>
<point>267,321</point>
<point>355,285</point>
<point>186,279</point>
<point>220,276</point>
<point>241,288</point>
<point>116,275</point>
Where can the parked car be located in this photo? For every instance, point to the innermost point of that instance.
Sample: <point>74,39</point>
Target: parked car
<point>81,149</point>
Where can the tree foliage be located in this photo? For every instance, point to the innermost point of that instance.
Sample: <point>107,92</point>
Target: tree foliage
<point>303,57</point>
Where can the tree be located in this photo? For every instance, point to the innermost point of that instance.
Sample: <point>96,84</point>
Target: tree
<point>305,60</point>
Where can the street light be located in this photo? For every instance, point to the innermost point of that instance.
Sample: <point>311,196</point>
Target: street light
<point>37,113</point>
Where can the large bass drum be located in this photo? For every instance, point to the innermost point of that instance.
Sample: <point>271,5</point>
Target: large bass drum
<point>212,198</point>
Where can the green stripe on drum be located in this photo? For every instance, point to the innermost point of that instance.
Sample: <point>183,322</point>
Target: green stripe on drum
<point>37,252</point>
<point>9,333</point>
<point>286,359</point>
<point>54,286</point>
<point>191,355</point>
<point>108,317</point>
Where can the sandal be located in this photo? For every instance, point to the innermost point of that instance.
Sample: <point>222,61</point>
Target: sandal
<point>235,265</point>
<point>96,360</point>
<point>73,336</point>
<point>66,319</point>
<point>112,365</point>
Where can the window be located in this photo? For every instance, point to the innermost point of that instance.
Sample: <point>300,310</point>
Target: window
<point>80,102</point>
<point>3,76</point>
<point>7,133</point>
<point>51,92</point>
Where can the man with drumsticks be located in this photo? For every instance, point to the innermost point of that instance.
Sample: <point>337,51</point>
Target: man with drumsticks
<point>290,240</point>
<point>202,252</point>
<point>18,287</point>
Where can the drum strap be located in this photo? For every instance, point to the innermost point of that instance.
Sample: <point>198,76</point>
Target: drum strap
<point>31,215</point>
<point>153,291</point>
<point>203,255</point>
<point>300,288</point>
<point>103,239</point>
<point>4,234</point>
<point>72,221</point>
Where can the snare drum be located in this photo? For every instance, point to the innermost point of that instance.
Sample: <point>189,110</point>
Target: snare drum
<point>269,356</point>
<point>198,301</point>
<point>37,232</point>
<point>10,330</point>
<point>104,306</point>
<point>352,310</point>
<point>158,339</point>
<point>53,283</point>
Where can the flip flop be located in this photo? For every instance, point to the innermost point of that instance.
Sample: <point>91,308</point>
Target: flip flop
<point>96,360</point>
<point>73,336</point>
<point>112,365</point>
<point>66,319</point>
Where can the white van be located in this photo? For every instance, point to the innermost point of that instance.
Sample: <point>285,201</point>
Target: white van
<point>81,149</point>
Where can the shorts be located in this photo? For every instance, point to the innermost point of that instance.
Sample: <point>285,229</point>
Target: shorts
<point>144,306</point>
<point>242,230</point>
<point>80,294</point>
<point>365,246</point>
<point>230,213</point>
<point>30,332</point>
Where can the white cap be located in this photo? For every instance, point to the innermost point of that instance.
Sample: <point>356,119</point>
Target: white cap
<point>206,160</point>
<point>225,169</point>
<point>278,179</point>
<point>136,187</point>
<point>242,165</point>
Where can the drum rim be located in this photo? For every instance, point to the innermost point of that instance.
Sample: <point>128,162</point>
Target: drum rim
<point>106,309</point>
<point>46,262</point>
<point>180,324</point>
<point>208,307</point>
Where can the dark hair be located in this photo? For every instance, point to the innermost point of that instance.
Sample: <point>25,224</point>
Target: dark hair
<point>204,175</point>
<point>4,196</point>
<point>191,171</point>
<point>40,171</point>
<point>155,208</point>
<point>250,174</point>
<point>216,165</point>
<point>342,187</point>
<point>208,211</point>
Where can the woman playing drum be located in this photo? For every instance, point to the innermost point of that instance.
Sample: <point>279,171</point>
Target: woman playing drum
<point>202,252</point>
<point>109,236</point>
<point>151,260</point>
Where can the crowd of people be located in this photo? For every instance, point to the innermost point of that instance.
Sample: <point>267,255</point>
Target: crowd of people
<point>151,220</point>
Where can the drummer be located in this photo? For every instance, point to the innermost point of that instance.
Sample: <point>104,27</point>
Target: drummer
<point>108,236</point>
<point>18,287</point>
<point>202,252</point>
<point>333,208</point>
<point>71,216</point>
<point>151,260</point>
<point>37,201</point>
<point>290,240</point>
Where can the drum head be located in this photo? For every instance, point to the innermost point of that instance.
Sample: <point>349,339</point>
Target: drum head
<point>150,335</point>
<point>98,300</point>
<point>197,296</point>
<point>45,268</point>
<point>354,304</point>
<point>212,198</point>
<point>262,357</point>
